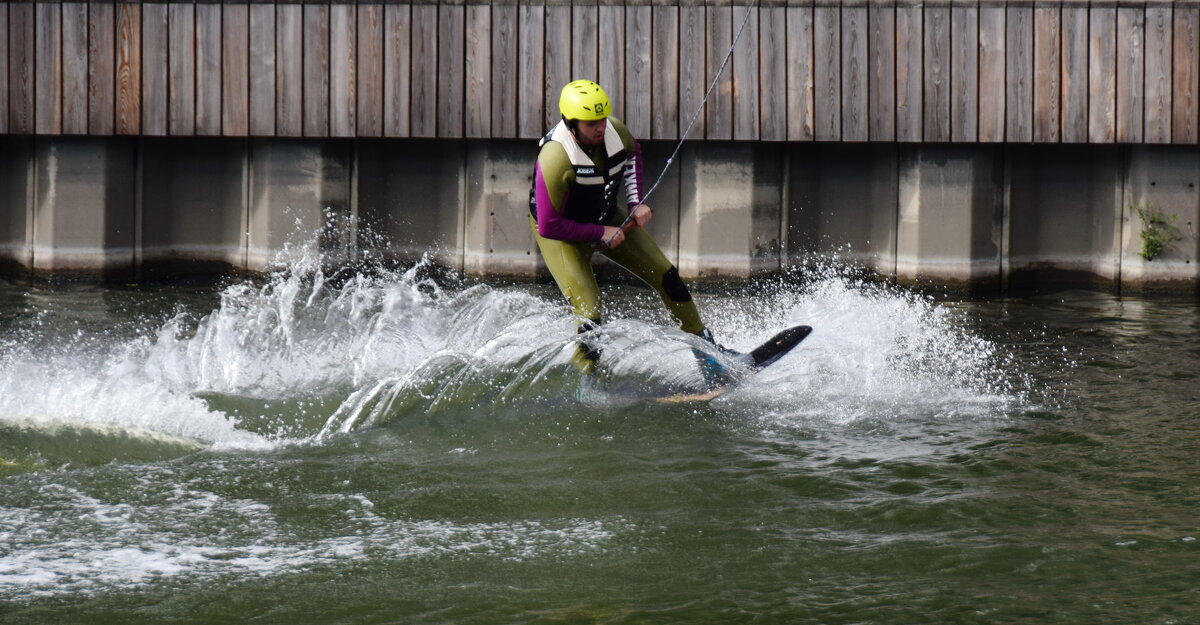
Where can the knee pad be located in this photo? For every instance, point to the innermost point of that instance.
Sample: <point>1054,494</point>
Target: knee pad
<point>674,287</point>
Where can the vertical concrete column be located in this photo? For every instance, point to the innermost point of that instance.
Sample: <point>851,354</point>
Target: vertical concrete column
<point>664,226</point>
<point>1064,215</point>
<point>950,215</point>
<point>410,199</point>
<point>299,201</point>
<point>1164,180</point>
<point>84,217</point>
<point>497,237</point>
<point>16,205</point>
<point>842,202</point>
<point>730,209</point>
<point>193,206</point>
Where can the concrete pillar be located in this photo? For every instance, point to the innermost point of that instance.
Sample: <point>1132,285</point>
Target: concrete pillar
<point>1164,179</point>
<point>664,226</point>
<point>1064,216</point>
<point>193,206</point>
<point>842,201</point>
<point>299,197</point>
<point>84,209</point>
<point>497,236</point>
<point>410,195</point>
<point>951,209</point>
<point>730,208</point>
<point>16,205</point>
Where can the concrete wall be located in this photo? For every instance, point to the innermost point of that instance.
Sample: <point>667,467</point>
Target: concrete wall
<point>16,205</point>
<point>984,217</point>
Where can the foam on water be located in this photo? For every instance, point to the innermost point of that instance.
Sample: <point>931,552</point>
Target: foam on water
<point>71,542</point>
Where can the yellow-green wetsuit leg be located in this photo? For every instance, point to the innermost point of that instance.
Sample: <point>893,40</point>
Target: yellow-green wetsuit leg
<point>571,265</point>
<point>641,256</point>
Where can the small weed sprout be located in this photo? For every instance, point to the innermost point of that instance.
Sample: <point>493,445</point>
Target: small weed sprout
<point>1158,231</point>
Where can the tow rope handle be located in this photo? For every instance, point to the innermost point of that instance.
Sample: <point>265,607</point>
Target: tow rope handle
<point>627,226</point>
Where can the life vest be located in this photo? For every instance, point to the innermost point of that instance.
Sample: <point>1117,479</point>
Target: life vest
<point>592,198</point>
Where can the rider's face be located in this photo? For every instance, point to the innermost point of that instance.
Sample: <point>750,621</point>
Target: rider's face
<point>591,133</point>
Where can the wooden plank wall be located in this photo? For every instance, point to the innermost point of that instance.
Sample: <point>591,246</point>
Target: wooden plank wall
<point>1040,71</point>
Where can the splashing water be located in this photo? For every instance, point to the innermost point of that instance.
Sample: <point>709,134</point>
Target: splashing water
<point>305,354</point>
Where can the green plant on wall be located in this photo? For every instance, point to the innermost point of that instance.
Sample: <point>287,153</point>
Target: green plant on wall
<point>1158,231</point>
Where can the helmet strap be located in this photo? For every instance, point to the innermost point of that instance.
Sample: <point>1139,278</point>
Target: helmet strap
<point>573,126</point>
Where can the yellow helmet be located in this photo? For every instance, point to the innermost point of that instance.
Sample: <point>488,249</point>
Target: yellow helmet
<point>583,99</point>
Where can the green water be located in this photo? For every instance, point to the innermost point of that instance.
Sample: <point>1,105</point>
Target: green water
<point>393,449</point>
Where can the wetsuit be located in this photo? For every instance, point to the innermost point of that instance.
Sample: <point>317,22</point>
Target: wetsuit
<point>574,196</point>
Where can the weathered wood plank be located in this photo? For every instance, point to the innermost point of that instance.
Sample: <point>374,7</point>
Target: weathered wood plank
<point>800,79</point>
<point>1158,74</point>
<point>992,52</point>
<point>1131,74</point>
<point>964,73</point>
<point>557,61</point>
<point>744,73</point>
<point>4,67</point>
<point>882,79</point>
<point>101,56</point>
<point>719,33</point>
<point>1018,71</point>
<point>1183,93</point>
<point>397,69</point>
<point>827,73</point>
<point>531,67</point>
<point>181,56</point>
<point>664,97</point>
<point>48,69</point>
<point>262,69</point>
<point>235,70</point>
<point>1102,75</point>
<point>478,96</point>
<point>75,67</point>
<point>289,70</point>
<point>772,54</point>
<point>154,68</point>
<point>692,78</point>
<point>21,54</point>
<point>910,38</point>
<point>129,69</point>
<point>369,67</point>
<point>1074,73</point>
<point>1047,73</point>
<point>504,69</point>
<point>316,70</point>
<point>343,71</point>
<point>855,74</point>
<point>635,104</point>
<point>585,21</point>
<point>451,60</point>
<point>208,69</point>
<point>937,73</point>
<point>611,65</point>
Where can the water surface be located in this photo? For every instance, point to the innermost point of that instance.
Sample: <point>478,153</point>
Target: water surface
<point>392,447</point>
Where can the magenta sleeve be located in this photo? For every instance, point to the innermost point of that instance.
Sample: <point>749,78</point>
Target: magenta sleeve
<point>551,223</point>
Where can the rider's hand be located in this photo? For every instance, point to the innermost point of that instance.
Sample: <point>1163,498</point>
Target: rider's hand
<point>613,237</point>
<point>641,215</point>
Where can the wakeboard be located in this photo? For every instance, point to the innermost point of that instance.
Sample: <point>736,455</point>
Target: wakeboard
<point>757,359</point>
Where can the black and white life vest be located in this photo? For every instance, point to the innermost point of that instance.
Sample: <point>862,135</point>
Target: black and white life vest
<point>593,197</point>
